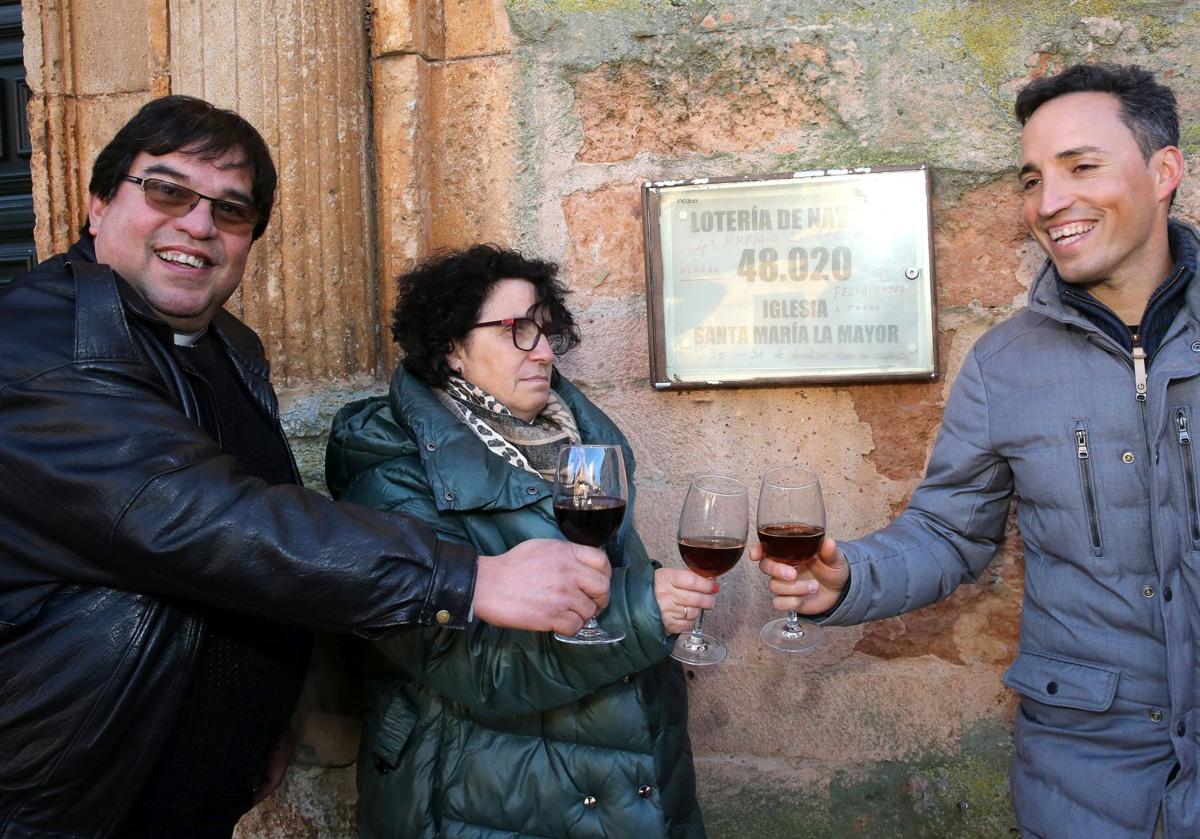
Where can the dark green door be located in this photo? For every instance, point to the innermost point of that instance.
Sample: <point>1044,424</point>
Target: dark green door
<point>16,189</point>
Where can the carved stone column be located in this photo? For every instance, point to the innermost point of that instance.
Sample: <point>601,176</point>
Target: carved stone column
<point>296,69</point>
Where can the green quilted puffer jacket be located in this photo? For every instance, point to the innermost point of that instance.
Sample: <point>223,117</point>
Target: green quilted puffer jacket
<point>487,732</point>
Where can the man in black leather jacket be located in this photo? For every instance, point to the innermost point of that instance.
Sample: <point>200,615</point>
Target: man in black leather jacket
<point>160,566</point>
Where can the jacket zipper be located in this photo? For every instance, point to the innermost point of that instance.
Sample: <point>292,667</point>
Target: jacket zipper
<point>1089,489</point>
<point>1139,375</point>
<point>1189,470</point>
<point>1139,369</point>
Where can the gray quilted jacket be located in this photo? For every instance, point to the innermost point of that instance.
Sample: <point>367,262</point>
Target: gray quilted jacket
<point>1046,405</point>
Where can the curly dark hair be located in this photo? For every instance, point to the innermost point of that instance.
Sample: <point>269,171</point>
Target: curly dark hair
<point>440,300</point>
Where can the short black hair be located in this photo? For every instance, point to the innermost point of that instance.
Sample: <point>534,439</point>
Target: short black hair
<point>1148,108</point>
<point>192,126</point>
<point>440,300</point>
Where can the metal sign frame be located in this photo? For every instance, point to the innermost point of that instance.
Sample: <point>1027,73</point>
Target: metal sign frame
<point>823,216</point>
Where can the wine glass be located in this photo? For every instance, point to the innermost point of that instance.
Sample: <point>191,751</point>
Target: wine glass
<point>712,536</point>
<point>791,525</point>
<point>589,506</point>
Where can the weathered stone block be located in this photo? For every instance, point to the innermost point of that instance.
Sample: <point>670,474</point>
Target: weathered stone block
<point>402,190</point>
<point>58,188</point>
<point>677,102</point>
<point>605,246</point>
<point>977,242</point>
<point>614,352</point>
<point>313,803</point>
<point>473,145</point>
<point>307,414</point>
<point>904,417</point>
<point>959,791</point>
<point>106,64</point>
<point>476,28</point>
<point>407,26</point>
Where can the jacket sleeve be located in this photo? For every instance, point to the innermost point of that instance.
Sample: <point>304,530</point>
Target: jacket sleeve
<point>111,485</point>
<point>952,527</point>
<point>505,672</point>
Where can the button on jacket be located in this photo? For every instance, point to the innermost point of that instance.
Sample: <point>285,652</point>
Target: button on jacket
<point>116,507</point>
<point>491,732</point>
<point>1046,404</point>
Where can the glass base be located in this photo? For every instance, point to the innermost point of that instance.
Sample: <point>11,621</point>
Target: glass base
<point>591,635</point>
<point>699,651</point>
<point>789,637</point>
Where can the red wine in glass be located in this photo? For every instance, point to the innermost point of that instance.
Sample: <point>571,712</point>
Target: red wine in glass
<point>791,525</point>
<point>590,492</point>
<point>590,520</point>
<point>713,556</point>
<point>712,532</point>
<point>791,544</point>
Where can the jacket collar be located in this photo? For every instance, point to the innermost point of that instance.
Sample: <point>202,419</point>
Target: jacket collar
<point>239,339</point>
<point>462,473</point>
<point>84,250</point>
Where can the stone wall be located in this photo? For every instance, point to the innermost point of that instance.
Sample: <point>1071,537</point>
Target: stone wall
<point>898,728</point>
<point>535,122</point>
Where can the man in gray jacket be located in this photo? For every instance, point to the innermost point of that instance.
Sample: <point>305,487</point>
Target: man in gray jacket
<point>1083,403</point>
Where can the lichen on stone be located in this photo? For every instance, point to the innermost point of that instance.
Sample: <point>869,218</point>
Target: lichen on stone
<point>998,36</point>
<point>1189,139</point>
<point>1156,33</point>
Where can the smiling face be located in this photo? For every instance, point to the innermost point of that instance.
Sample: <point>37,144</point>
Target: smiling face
<point>184,268</point>
<point>1093,202</point>
<point>487,357</point>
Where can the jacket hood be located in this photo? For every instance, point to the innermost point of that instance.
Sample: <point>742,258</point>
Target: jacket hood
<point>462,473</point>
<point>363,436</point>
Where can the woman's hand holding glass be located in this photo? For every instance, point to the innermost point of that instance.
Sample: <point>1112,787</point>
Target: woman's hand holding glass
<point>681,596</point>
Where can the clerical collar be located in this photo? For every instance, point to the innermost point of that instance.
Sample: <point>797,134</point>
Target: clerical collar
<point>189,339</point>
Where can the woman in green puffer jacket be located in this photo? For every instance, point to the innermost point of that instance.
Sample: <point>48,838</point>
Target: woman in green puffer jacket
<point>489,732</point>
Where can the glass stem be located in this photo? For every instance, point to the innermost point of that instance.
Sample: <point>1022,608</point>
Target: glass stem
<point>793,622</point>
<point>590,623</point>
<point>698,627</point>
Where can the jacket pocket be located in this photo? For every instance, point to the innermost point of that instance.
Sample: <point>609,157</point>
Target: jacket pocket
<point>395,726</point>
<point>1062,682</point>
<point>1183,434</point>
<point>1087,480</point>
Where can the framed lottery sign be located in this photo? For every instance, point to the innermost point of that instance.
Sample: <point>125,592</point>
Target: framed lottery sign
<point>820,276</point>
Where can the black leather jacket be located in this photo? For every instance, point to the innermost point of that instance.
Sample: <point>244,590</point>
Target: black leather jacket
<point>115,504</point>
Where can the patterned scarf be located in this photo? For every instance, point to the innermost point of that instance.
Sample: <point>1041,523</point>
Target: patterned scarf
<point>529,446</point>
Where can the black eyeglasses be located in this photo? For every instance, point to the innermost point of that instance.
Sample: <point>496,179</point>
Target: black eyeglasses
<point>526,333</point>
<point>178,201</point>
